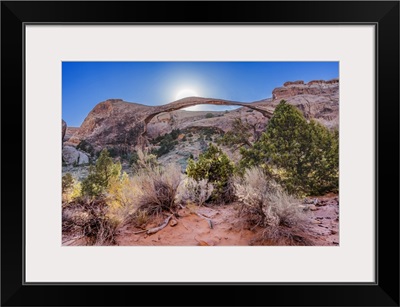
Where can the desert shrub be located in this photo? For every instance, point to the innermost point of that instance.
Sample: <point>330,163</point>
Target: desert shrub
<point>266,204</point>
<point>67,182</point>
<point>133,158</point>
<point>166,142</point>
<point>144,161</point>
<point>209,115</point>
<point>88,219</point>
<point>120,192</point>
<point>100,175</point>
<point>71,188</point>
<point>158,189</point>
<point>139,218</point>
<point>175,133</point>
<point>122,199</point>
<point>214,166</point>
<point>302,156</point>
<point>192,191</point>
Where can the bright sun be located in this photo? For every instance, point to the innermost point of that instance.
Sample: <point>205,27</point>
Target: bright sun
<point>185,93</point>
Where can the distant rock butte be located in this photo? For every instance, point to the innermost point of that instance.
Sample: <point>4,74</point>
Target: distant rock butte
<point>117,122</point>
<point>315,87</point>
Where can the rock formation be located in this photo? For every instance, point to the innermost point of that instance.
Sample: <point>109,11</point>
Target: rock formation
<point>115,122</point>
<point>315,87</point>
<point>71,155</point>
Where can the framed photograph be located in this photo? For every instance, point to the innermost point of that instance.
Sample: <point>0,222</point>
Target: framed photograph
<point>241,153</point>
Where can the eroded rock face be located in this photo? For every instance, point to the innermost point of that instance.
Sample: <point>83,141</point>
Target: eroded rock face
<point>315,87</point>
<point>112,122</point>
<point>73,156</point>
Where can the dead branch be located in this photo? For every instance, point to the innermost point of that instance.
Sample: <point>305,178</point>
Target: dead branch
<point>210,223</point>
<point>140,231</point>
<point>156,229</point>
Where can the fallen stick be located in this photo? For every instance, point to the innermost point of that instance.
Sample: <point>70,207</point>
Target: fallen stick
<point>156,229</point>
<point>210,223</point>
<point>140,231</point>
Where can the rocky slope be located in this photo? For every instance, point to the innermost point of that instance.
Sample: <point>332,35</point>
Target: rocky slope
<point>115,122</point>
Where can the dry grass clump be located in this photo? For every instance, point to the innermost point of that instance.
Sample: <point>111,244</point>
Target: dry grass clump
<point>193,191</point>
<point>158,188</point>
<point>267,205</point>
<point>87,219</point>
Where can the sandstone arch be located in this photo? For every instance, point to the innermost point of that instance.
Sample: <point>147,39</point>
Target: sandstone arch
<point>193,101</point>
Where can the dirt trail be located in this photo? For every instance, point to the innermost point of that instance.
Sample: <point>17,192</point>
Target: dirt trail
<point>229,230</point>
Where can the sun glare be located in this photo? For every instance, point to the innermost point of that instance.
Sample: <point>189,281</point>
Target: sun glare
<point>186,93</point>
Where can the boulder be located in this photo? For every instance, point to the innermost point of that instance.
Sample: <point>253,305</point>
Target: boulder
<point>71,155</point>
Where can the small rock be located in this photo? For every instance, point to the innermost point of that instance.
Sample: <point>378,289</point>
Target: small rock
<point>333,232</point>
<point>316,222</point>
<point>173,223</point>
<point>313,208</point>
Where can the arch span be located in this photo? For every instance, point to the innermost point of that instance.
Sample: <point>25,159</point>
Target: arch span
<point>193,101</point>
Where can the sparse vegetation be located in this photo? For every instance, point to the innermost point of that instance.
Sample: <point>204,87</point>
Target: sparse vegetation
<point>195,192</point>
<point>209,115</point>
<point>159,188</point>
<point>166,143</point>
<point>214,166</point>
<point>100,175</point>
<point>67,182</point>
<point>267,205</point>
<point>88,220</point>
<point>144,161</point>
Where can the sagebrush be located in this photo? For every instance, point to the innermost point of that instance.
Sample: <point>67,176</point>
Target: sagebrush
<point>266,204</point>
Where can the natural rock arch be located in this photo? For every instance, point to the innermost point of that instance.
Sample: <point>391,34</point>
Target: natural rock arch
<point>193,101</point>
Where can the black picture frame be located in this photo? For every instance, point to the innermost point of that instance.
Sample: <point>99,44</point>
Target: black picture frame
<point>383,14</point>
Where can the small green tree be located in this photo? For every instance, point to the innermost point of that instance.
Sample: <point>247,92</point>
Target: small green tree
<point>100,175</point>
<point>214,166</point>
<point>303,156</point>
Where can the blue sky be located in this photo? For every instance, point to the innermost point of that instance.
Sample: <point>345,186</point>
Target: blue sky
<point>85,84</point>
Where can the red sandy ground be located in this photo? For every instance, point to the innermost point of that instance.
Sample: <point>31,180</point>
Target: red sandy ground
<point>229,230</point>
